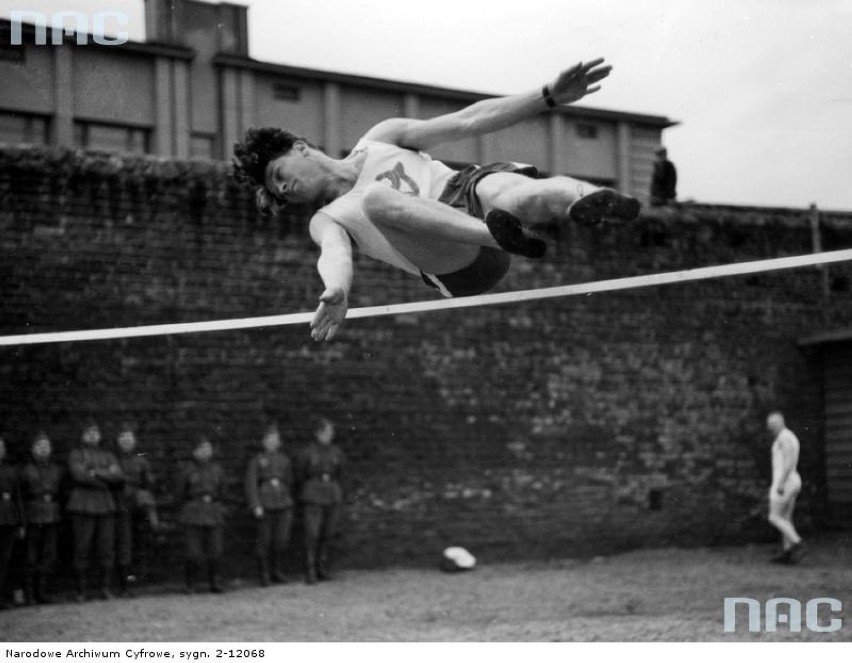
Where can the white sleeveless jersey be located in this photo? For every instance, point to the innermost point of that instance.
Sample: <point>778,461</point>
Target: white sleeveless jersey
<point>412,173</point>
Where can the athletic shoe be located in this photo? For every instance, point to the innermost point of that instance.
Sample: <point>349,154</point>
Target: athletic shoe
<point>798,552</point>
<point>604,205</point>
<point>781,558</point>
<point>508,232</point>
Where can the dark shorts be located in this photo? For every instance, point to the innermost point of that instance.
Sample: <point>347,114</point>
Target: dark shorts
<point>491,265</point>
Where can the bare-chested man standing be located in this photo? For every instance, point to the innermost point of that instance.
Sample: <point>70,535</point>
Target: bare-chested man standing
<point>786,485</point>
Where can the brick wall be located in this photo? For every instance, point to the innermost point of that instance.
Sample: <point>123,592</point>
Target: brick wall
<point>557,427</point>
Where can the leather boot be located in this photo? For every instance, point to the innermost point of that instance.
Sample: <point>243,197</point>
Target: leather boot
<point>41,593</point>
<point>124,582</point>
<point>311,571</point>
<point>106,577</point>
<point>213,577</point>
<point>263,571</point>
<point>80,586</point>
<point>189,576</point>
<point>29,589</point>
<point>323,570</point>
<point>277,573</point>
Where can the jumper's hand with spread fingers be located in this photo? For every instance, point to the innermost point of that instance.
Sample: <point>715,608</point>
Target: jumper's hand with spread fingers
<point>329,315</point>
<point>578,81</point>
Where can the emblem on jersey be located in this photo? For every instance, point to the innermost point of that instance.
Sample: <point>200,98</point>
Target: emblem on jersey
<point>398,177</point>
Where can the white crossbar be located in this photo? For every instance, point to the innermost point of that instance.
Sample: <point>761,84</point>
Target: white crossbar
<point>609,285</point>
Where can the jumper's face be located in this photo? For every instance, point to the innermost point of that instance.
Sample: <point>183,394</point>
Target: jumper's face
<point>41,448</point>
<point>126,441</point>
<point>91,436</point>
<point>203,452</point>
<point>296,176</point>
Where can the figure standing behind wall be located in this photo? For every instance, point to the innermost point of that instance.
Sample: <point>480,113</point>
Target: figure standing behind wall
<point>664,179</point>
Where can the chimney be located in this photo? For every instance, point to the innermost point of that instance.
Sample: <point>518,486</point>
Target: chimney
<point>163,21</point>
<point>233,29</point>
<point>177,22</point>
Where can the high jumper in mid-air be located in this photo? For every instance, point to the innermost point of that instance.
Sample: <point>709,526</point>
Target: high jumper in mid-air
<point>454,229</point>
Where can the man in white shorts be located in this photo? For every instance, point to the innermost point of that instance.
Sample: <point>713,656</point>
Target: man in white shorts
<point>786,486</point>
<point>400,206</point>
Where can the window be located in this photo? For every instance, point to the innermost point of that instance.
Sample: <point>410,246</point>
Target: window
<point>23,128</point>
<point>203,146</point>
<point>112,137</point>
<point>286,92</point>
<point>585,130</point>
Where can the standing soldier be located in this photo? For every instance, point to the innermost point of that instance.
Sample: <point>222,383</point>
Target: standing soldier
<point>94,473</point>
<point>200,489</point>
<point>134,502</point>
<point>41,481</point>
<point>10,518</point>
<point>268,484</point>
<point>320,469</point>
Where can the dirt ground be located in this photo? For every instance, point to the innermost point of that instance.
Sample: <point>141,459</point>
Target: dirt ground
<point>648,595</point>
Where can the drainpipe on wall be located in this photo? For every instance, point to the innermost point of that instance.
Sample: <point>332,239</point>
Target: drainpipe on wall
<point>816,247</point>
<point>624,182</point>
<point>331,107</point>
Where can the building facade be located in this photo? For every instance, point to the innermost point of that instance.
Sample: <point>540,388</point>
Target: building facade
<point>191,89</point>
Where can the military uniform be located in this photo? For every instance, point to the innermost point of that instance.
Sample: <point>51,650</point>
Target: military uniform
<point>202,514</point>
<point>130,499</point>
<point>92,508</point>
<point>41,482</point>
<point>321,494</point>
<point>10,521</point>
<point>268,486</point>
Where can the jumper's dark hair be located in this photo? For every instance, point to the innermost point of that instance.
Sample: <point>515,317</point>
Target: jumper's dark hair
<point>252,156</point>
